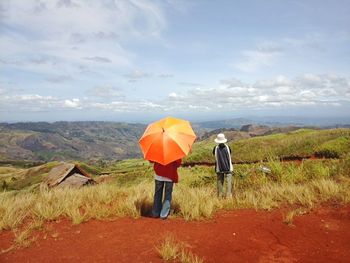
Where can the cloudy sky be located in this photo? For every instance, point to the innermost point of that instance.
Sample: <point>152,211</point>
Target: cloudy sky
<point>138,60</point>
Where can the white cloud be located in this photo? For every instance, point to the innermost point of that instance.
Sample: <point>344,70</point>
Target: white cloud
<point>173,95</point>
<point>124,18</point>
<point>231,82</point>
<point>127,106</point>
<point>307,95</point>
<point>71,33</point>
<point>265,54</point>
<point>269,47</point>
<point>105,92</point>
<point>307,90</point>
<point>276,52</point>
<point>278,92</point>
<point>137,75</point>
<point>59,79</point>
<point>28,103</point>
<point>165,75</point>
<point>73,103</point>
<point>255,59</point>
<point>190,84</point>
<point>99,59</point>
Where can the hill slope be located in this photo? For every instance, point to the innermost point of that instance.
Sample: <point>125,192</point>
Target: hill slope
<point>332,143</point>
<point>69,140</point>
<point>115,141</point>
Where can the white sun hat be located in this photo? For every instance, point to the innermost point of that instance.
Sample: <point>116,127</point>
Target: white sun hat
<point>220,138</point>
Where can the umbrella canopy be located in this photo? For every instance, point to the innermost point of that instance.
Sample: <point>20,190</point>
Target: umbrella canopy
<point>167,140</point>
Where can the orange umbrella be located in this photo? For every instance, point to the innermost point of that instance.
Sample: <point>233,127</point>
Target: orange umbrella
<point>167,140</point>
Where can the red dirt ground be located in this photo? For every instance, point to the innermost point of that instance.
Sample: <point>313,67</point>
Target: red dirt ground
<point>322,235</point>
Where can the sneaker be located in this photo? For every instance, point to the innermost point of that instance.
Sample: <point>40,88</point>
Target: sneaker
<point>165,210</point>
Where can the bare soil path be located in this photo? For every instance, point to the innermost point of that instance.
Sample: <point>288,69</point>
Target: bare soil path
<point>322,235</point>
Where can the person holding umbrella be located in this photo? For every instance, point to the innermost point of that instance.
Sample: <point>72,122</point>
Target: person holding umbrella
<point>165,177</point>
<point>165,143</point>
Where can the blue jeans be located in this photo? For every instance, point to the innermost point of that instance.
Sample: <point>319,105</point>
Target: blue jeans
<point>158,196</point>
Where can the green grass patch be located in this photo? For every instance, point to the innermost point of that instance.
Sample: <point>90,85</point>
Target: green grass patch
<point>299,143</point>
<point>336,148</point>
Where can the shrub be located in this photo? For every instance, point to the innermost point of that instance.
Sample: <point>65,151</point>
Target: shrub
<point>171,250</point>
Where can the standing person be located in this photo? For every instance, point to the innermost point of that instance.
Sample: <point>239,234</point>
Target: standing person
<point>223,165</point>
<point>165,175</point>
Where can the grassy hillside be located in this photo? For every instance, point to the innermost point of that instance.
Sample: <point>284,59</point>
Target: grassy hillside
<point>69,140</point>
<point>301,143</point>
<point>14,178</point>
<point>126,187</point>
<point>129,192</point>
<point>334,143</point>
<point>94,141</point>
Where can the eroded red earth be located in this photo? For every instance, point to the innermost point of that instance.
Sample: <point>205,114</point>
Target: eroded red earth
<point>322,235</point>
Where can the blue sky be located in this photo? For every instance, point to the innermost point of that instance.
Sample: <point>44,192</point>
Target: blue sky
<point>136,60</point>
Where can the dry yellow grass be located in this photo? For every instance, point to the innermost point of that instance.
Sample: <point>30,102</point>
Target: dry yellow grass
<point>9,170</point>
<point>288,219</point>
<point>269,196</point>
<point>14,209</point>
<point>109,201</point>
<point>169,249</point>
<point>189,257</point>
<point>172,250</point>
<point>194,197</point>
<point>23,238</point>
<point>99,202</point>
<point>196,203</point>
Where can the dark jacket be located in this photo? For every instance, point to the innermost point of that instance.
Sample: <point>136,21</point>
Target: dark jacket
<point>223,163</point>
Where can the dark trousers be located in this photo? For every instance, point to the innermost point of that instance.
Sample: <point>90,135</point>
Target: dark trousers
<point>158,195</point>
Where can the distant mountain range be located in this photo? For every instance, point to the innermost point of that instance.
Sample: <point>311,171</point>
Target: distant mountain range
<point>276,121</point>
<point>91,140</point>
<point>69,140</point>
<point>247,131</point>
